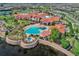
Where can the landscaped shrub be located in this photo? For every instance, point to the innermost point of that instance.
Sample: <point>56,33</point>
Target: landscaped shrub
<point>23,22</point>
<point>64,42</point>
<point>75,48</point>
<point>54,34</point>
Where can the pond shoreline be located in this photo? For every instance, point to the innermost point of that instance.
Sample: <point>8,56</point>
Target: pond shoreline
<point>39,50</point>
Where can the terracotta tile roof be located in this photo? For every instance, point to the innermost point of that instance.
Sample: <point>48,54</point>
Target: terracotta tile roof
<point>60,27</point>
<point>45,33</point>
<point>46,20</point>
<point>55,18</point>
<point>32,15</point>
<point>38,15</point>
<point>42,14</point>
<point>52,19</point>
<point>29,15</point>
<point>21,16</point>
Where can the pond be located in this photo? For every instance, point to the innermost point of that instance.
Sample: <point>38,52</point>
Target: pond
<point>39,50</point>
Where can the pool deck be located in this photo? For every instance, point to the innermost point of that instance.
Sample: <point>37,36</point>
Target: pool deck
<point>38,24</point>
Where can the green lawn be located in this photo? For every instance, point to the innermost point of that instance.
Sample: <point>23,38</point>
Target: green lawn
<point>75,48</point>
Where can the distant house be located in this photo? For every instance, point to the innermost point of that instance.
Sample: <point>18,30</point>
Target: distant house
<point>5,10</point>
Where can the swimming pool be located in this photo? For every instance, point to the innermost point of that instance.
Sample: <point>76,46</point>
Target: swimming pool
<point>28,39</point>
<point>34,30</point>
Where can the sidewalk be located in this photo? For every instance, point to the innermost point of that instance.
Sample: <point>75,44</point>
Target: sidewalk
<point>56,46</point>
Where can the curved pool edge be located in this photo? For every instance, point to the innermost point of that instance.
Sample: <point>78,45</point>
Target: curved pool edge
<point>30,45</point>
<point>37,27</point>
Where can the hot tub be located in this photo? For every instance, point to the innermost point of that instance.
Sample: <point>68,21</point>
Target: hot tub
<point>29,42</point>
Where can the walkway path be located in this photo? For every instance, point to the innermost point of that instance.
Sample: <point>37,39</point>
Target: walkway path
<point>56,46</point>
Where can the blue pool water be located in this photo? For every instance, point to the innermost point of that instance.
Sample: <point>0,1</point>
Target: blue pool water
<point>35,30</point>
<point>43,28</point>
<point>28,39</point>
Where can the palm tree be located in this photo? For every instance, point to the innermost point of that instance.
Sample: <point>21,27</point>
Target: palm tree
<point>64,42</point>
<point>54,35</point>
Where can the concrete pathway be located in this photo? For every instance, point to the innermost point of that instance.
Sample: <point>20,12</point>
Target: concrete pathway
<point>56,46</point>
